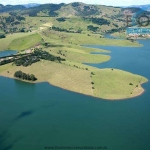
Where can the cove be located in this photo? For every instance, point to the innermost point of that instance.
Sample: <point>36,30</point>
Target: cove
<point>33,116</point>
<point>132,59</point>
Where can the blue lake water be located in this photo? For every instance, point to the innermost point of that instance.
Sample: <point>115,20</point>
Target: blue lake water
<point>132,59</point>
<point>7,53</point>
<point>33,116</point>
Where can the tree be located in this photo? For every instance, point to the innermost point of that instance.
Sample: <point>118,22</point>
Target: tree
<point>18,74</point>
<point>33,78</point>
<point>2,36</point>
<point>24,76</point>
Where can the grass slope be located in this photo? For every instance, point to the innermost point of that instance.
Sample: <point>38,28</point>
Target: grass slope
<point>60,75</point>
<point>4,43</point>
<point>115,84</point>
<point>81,39</point>
<point>79,54</point>
<point>25,42</point>
<point>108,84</point>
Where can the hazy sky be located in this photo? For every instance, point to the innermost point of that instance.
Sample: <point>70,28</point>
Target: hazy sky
<point>103,2</point>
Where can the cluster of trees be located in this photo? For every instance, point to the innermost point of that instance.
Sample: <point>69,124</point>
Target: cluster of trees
<point>47,56</point>
<point>24,76</point>
<point>100,21</point>
<point>10,23</point>
<point>92,28</point>
<point>75,4</point>
<point>85,10</point>
<point>112,30</point>
<point>116,30</point>
<point>13,17</point>
<point>62,19</point>
<point>59,29</point>
<point>36,56</point>
<point>60,52</point>
<point>28,59</point>
<point>115,25</point>
<point>6,61</point>
<point>53,14</point>
<point>46,44</point>
<point>2,35</point>
<point>65,30</point>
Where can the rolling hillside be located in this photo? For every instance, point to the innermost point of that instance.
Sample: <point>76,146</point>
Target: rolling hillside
<point>75,17</point>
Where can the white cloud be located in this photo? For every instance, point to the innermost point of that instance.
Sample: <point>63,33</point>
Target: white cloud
<point>103,2</point>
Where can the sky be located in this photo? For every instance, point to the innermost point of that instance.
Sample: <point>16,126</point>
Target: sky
<point>101,2</point>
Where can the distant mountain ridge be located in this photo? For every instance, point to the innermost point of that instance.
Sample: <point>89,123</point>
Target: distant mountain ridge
<point>31,5</point>
<point>144,7</point>
<point>89,17</point>
<point>75,9</point>
<point>11,8</point>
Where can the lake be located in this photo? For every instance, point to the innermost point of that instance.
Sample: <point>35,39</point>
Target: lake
<point>35,116</point>
<point>7,53</point>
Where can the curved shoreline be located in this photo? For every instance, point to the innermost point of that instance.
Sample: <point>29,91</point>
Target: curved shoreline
<point>142,90</point>
<point>72,75</point>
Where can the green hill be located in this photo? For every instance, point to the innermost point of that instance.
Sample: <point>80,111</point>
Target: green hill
<point>75,17</point>
<point>9,8</point>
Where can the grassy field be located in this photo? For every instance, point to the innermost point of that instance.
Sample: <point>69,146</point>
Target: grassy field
<point>79,54</point>
<point>115,84</point>
<point>118,34</point>
<point>81,39</point>
<point>4,43</point>
<point>60,75</point>
<point>25,42</point>
<point>108,84</point>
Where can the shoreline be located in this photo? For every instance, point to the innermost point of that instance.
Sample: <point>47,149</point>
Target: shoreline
<point>109,99</point>
<point>76,76</point>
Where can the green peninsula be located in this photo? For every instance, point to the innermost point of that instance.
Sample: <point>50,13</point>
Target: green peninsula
<point>62,38</point>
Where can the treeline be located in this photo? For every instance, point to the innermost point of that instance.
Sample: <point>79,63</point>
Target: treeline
<point>65,30</point>
<point>24,76</point>
<point>29,59</point>
<point>26,60</point>
<point>47,56</point>
<point>100,21</point>
<point>36,56</point>
<point>6,61</point>
<point>92,28</point>
<point>2,35</point>
<point>116,30</point>
<point>62,19</point>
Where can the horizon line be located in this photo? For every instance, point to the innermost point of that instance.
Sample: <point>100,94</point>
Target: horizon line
<point>75,2</point>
